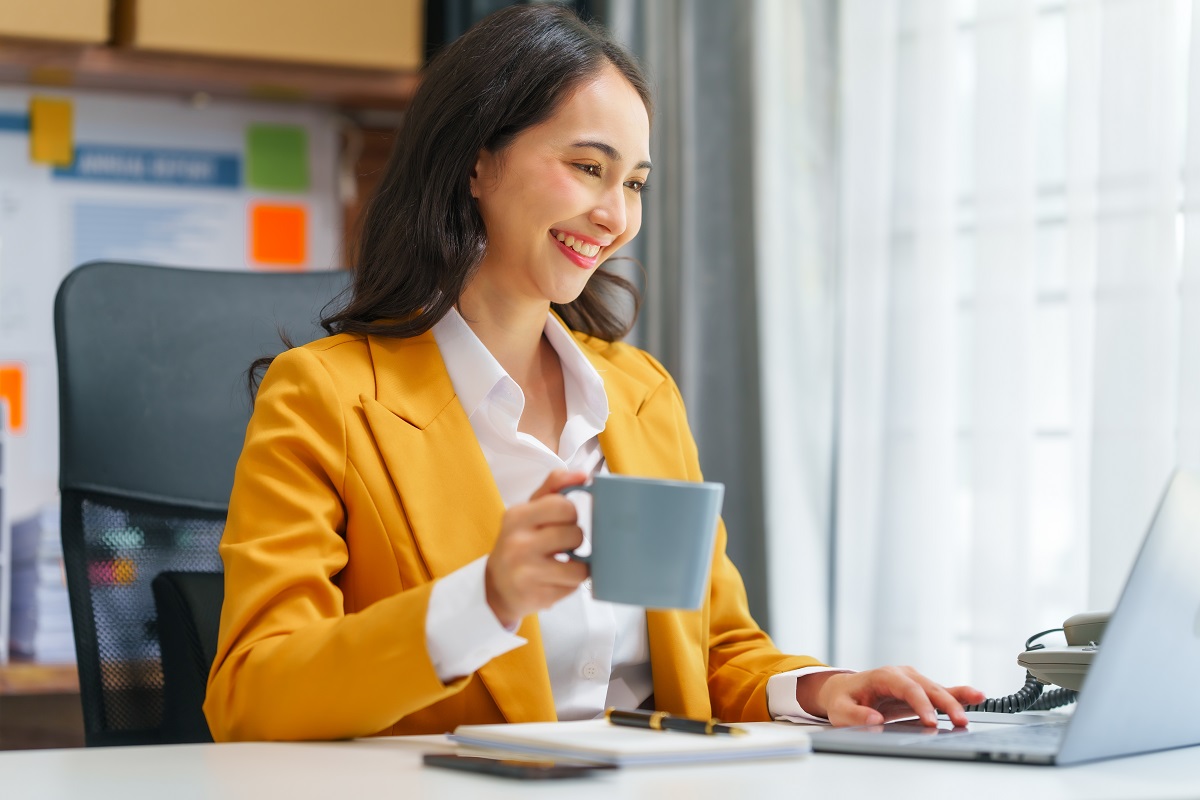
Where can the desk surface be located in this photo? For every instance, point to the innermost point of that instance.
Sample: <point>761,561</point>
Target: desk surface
<point>392,768</point>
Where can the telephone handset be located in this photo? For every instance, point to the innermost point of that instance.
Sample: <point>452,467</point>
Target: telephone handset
<point>1062,666</point>
<point>1066,666</point>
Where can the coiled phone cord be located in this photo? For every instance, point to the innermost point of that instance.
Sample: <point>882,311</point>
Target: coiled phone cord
<point>1054,699</point>
<point>1014,703</point>
<point>1029,697</point>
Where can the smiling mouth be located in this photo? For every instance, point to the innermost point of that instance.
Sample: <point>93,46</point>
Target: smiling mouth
<point>578,245</point>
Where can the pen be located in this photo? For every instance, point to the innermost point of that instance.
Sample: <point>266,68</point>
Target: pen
<point>662,721</point>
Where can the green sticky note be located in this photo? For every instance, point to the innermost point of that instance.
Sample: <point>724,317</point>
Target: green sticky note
<point>277,158</point>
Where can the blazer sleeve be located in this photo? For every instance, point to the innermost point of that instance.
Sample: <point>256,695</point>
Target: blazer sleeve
<point>290,663</point>
<point>741,656</point>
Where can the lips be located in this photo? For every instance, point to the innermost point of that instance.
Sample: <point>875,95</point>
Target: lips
<point>577,258</point>
<point>581,245</point>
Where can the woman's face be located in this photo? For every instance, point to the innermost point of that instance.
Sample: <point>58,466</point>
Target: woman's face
<point>565,194</point>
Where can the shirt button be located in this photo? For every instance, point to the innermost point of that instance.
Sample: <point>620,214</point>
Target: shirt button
<point>590,670</point>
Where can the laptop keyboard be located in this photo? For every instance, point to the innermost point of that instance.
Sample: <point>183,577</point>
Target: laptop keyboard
<point>1019,737</point>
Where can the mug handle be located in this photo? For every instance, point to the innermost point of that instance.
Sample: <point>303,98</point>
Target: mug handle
<point>566,490</point>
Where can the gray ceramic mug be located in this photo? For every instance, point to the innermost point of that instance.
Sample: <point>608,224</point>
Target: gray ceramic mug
<point>652,540</point>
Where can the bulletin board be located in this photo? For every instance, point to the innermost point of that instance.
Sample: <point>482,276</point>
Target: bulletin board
<point>93,175</point>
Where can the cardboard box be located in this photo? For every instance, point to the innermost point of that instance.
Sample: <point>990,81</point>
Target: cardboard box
<point>377,34</point>
<point>60,20</point>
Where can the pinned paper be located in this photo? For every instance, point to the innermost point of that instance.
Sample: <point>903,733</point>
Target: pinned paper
<point>51,131</point>
<point>12,389</point>
<point>278,235</point>
<point>277,158</point>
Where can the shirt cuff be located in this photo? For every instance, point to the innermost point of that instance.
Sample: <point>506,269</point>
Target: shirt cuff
<point>781,695</point>
<point>461,631</point>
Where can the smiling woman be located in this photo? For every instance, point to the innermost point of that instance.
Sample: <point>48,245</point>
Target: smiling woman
<point>423,234</point>
<point>394,551</point>
<point>564,195</point>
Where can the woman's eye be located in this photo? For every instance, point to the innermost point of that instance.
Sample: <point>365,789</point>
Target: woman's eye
<point>637,186</point>
<point>590,169</point>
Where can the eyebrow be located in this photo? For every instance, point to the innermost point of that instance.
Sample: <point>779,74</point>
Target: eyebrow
<point>611,152</point>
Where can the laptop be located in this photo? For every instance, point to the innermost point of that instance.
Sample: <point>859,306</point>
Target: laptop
<point>1139,693</point>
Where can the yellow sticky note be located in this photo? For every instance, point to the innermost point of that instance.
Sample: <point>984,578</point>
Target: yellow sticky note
<point>51,131</point>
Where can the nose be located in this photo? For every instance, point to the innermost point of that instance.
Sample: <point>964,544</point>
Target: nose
<point>610,212</point>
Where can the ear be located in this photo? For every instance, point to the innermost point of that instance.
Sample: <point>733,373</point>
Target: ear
<point>484,171</point>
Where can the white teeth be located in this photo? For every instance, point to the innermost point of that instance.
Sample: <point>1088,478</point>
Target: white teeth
<point>578,245</point>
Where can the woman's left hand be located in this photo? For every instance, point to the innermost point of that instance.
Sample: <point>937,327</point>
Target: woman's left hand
<point>879,695</point>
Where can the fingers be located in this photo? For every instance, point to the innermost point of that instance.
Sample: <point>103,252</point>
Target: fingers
<point>912,688</point>
<point>872,697</point>
<point>946,702</point>
<point>846,713</point>
<point>524,574</point>
<point>965,695</point>
<point>548,523</point>
<point>559,479</point>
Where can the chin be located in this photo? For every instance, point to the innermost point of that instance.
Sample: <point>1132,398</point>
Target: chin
<point>562,295</point>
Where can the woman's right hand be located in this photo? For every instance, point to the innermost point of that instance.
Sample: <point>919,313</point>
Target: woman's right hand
<point>523,576</point>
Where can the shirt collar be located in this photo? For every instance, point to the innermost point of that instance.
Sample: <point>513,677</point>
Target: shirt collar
<point>584,386</point>
<point>475,372</point>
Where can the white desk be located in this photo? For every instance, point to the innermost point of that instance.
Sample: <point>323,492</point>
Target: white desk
<point>391,768</point>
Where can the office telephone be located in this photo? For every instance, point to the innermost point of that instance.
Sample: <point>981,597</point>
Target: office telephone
<point>1064,667</point>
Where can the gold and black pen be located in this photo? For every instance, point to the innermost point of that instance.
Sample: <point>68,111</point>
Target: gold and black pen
<point>662,721</point>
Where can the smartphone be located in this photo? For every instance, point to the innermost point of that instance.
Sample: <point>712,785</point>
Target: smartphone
<point>512,768</point>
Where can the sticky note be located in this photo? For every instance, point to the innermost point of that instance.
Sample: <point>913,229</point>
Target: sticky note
<point>51,131</point>
<point>12,389</point>
<point>277,158</point>
<point>278,235</point>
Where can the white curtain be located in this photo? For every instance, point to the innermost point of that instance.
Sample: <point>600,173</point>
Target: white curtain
<point>795,231</point>
<point>1018,368</point>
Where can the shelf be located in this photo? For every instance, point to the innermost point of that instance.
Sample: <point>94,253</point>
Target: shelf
<point>102,67</point>
<point>30,678</point>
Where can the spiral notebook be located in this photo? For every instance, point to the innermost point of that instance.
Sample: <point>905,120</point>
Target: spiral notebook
<point>598,741</point>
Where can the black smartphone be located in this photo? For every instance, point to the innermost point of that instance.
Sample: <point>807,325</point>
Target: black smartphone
<point>512,768</point>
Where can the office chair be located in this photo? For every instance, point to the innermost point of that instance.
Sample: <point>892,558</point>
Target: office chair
<point>153,405</point>
<point>188,605</point>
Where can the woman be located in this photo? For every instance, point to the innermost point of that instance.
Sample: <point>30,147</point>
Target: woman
<point>392,546</point>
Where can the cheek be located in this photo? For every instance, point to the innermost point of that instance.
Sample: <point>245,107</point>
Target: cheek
<point>494,222</point>
<point>560,186</point>
<point>633,221</point>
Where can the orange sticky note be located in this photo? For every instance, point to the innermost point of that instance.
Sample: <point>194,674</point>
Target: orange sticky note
<point>12,389</point>
<point>278,235</point>
<point>51,131</point>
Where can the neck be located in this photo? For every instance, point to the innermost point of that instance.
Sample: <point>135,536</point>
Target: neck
<point>511,331</point>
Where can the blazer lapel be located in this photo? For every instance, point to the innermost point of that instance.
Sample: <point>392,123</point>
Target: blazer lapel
<point>633,447</point>
<point>449,496</point>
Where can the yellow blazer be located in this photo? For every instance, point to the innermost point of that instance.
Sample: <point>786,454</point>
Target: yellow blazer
<point>360,484</point>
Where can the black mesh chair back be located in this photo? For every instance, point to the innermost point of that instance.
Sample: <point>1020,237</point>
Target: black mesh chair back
<point>153,405</point>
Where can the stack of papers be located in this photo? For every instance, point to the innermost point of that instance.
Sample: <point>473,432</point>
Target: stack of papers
<point>598,741</point>
<point>40,611</point>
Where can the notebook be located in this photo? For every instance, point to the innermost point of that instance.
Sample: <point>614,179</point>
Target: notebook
<point>598,741</point>
<point>1139,694</point>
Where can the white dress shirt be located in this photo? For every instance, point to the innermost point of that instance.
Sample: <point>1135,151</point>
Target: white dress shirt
<point>597,653</point>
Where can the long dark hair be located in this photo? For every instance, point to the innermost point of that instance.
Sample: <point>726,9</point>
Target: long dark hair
<point>422,237</point>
